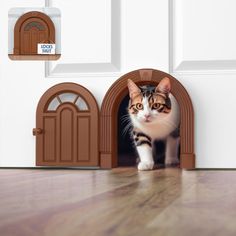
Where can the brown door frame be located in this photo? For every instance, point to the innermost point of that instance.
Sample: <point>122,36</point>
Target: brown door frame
<point>23,18</point>
<point>109,111</point>
<point>42,112</point>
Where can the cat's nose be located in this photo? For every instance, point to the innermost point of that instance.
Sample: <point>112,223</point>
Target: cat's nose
<point>147,116</point>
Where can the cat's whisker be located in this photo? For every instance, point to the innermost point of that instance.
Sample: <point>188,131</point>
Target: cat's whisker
<point>125,120</point>
<point>127,128</point>
<point>125,117</point>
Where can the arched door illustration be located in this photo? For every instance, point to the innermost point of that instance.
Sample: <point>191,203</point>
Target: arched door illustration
<point>67,127</point>
<point>32,28</point>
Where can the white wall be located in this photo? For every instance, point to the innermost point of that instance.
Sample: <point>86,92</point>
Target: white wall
<point>144,40</point>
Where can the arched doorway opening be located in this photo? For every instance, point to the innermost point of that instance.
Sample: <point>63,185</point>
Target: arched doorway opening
<point>109,110</point>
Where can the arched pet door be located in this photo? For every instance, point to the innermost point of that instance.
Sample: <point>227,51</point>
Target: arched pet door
<point>67,127</point>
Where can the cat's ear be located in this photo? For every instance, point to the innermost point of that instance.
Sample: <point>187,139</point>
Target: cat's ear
<point>164,86</point>
<point>133,88</point>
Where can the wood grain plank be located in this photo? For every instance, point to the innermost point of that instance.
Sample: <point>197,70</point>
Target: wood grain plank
<point>119,202</point>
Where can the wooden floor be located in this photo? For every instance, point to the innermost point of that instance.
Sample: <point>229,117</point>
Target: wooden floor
<point>118,202</point>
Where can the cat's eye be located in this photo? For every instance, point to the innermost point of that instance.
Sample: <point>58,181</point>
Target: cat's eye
<point>156,106</point>
<point>139,106</point>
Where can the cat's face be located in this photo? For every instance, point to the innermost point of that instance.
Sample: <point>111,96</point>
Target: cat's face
<point>147,105</point>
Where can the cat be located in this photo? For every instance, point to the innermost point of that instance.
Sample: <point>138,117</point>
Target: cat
<point>154,114</point>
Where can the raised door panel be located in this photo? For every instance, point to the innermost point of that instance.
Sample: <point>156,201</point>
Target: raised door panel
<point>94,130</point>
<point>34,41</point>
<point>26,42</point>
<point>84,137</point>
<point>66,135</point>
<point>95,51</point>
<point>49,139</point>
<point>203,36</point>
<point>43,37</point>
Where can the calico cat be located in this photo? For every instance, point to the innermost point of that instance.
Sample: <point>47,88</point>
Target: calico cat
<point>154,114</point>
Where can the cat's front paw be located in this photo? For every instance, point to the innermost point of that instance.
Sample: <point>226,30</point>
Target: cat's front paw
<point>145,165</point>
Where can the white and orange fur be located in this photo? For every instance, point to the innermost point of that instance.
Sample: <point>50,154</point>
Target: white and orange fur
<point>156,125</point>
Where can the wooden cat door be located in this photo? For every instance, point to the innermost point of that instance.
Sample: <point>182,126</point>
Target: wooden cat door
<point>67,127</point>
<point>30,29</point>
<point>109,111</point>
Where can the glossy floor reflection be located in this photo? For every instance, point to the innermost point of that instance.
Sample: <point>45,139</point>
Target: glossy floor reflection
<point>118,202</point>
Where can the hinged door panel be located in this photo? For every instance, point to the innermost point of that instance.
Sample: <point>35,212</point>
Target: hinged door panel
<point>67,127</point>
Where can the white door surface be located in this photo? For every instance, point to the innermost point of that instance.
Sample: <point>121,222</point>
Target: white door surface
<point>194,40</point>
